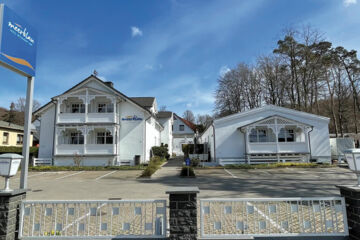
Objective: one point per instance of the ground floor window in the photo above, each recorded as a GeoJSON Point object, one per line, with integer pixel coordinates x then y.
{"type": "Point", "coordinates": [76, 138]}
{"type": "Point", "coordinates": [286, 135]}
{"type": "Point", "coordinates": [104, 138]}
{"type": "Point", "coordinates": [5, 138]}
{"type": "Point", "coordinates": [261, 135]}
{"type": "Point", "coordinates": [19, 139]}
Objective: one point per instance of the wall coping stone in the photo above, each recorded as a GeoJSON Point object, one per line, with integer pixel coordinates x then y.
{"type": "Point", "coordinates": [182, 190]}
{"type": "Point", "coordinates": [353, 188]}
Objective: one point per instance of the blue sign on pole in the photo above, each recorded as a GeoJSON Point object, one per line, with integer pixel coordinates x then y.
{"type": "Point", "coordinates": [187, 161]}
{"type": "Point", "coordinates": [17, 43]}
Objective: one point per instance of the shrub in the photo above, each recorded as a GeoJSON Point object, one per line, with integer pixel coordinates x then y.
{"type": "Point", "coordinates": [83, 168]}
{"type": "Point", "coordinates": [161, 151]}
{"type": "Point", "coordinates": [279, 165]}
{"type": "Point", "coordinates": [195, 162]}
{"type": "Point", "coordinates": [33, 150]}
{"type": "Point", "coordinates": [154, 164]}
{"type": "Point", "coordinates": [173, 155]}
{"type": "Point", "coordinates": [187, 170]}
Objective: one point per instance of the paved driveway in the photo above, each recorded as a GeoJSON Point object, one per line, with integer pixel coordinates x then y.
{"type": "Point", "coordinates": [211, 182]}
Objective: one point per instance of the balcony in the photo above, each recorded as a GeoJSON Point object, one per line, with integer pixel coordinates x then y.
{"type": "Point", "coordinates": [89, 149]}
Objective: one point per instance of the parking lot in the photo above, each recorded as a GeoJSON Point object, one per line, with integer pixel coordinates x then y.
{"type": "Point", "coordinates": [126, 184]}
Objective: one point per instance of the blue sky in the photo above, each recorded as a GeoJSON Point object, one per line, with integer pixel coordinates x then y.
{"type": "Point", "coordinates": [173, 50]}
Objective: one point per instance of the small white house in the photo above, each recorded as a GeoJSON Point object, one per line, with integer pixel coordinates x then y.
{"type": "Point", "coordinates": [98, 123]}
{"type": "Point", "coordinates": [183, 133]}
{"type": "Point", "coordinates": [268, 134]}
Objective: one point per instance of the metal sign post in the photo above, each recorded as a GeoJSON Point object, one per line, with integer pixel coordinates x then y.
{"type": "Point", "coordinates": [27, 132]}
{"type": "Point", "coordinates": [18, 42]}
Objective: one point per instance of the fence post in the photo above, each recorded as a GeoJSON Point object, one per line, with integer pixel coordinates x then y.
{"type": "Point", "coordinates": [352, 200]}
{"type": "Point", "coordinates": [10, 213]}
{"type": "Point", "coordinates": [183, 213]}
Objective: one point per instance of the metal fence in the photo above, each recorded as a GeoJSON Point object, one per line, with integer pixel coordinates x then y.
{"type": "Point", "coordinates": [273, 217]}
{"type": "Point", "coordinates": [93, 219]}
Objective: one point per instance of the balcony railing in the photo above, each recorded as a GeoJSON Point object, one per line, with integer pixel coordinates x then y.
{"type": "Point", "coordinates": [71, 149]}
{"type": "Point", "coordinates": [284, 147]}
{"type": "Point", "coordinates": [90, 117]}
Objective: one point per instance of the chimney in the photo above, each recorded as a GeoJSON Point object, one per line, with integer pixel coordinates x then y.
{"type": "Point", "coordinates": [110, 84]}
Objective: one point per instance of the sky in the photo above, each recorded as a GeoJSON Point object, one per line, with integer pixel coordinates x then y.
{"type": "Point", "coordinates": [173, 50]}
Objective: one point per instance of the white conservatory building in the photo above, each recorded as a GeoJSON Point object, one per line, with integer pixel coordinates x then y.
{"type": "Point", "coordinates": [268, 134]}
{"type": "Point", "coordinates": [99, 124]}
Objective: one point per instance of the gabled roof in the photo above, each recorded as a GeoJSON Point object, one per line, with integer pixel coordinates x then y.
{"type": "Point", "coordinates": [164, 114]}
{"type": "Point", "coordinates": [93, 77]}
{"type": "Point", "coordinates": [12, 126]}
{"type": "Point", "coordinates": [147, 102]}
{"type": "Point", "coordinates": [275, 116]}
{"type": "Point", "coordinates": [273, 108]}
{"type": "Point", "coordinates": [188, 123]}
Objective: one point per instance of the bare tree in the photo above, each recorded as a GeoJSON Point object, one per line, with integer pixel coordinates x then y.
{"type": "Point", "coordinates": [189, 115]}
{"type": "Point", "coordinates": [21, 102]}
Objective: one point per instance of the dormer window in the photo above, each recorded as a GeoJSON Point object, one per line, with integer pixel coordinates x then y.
{"type": "Point", "coordinates": [77, 108]}
{"type": "Point", "coordinates": [105, 108]}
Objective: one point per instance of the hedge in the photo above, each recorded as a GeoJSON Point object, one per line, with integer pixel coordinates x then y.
{"type": "Point", "coordinates": [187, 170]}
{"type": "Point", "coordinates": [83, 168]}
{"type": "Point", "coordinates": [279, 165]}
{"type": "Point", "coordinates": [161, 151]}
{"type": "Point", "coordinates": [154, 165]}
{"type": "Point", "coordinates": [33, 150]}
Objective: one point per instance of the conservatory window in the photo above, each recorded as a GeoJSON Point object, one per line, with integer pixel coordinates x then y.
{"type": "Point", "coordinates": [77, 108]}
{"type": "Point", "coordinates": [286, 135]}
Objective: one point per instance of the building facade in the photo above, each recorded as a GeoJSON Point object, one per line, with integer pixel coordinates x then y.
{"type": "Point", "coordinates": [11, 135]}
{"type": "Point", "coordinates": [183, 133]}
{"type": "Point", "coordinates": [268, 134]}
{"type": "Point", "coordinates": [96, 123]}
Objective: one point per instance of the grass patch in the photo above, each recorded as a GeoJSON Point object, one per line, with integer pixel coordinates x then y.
{"type": "Point", "coordinates": [187, 170]}
{"type": "Point", "coordinates": [279, 165]}
{"type": "Point", "coordinates": [83, 168]}
{"type": "Point", "coordinates": [153, 166]}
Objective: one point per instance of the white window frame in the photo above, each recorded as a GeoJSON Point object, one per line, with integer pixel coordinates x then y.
{"type": "Point", "coordinates": [107, 138]}
{"type": "Point", "coordinates": [76, 138]}
{"type": "Point", "coordinates": [181, 127]}
{"type": "Point", "coordinates": [79, 106]}
{"type": "Point", "coordinates": [5, 136]}
{"type": "Point", "coordinates": [19, 139]}
{"type": "Point", "coordinates": [107, 107]}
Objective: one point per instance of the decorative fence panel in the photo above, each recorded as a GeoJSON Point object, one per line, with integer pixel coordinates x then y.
{"type": "Point", "coordinates": [223, 218]}
{"type": "Point", "coordinates": [93, 219]}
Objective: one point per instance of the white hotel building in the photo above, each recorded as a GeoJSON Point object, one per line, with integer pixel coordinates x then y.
{"type": "Point", "coordinates": [102, 125]}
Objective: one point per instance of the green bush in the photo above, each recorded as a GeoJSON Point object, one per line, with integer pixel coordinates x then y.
{"type": "Point", "coordinates": [33, 150]}
{"type": "Point", "coordinates": [279, 165]}
{"type": "Point", "coordinates": [161, 151]}
{"type": "Point", "coordinates": [153, 166]}
{"type": "Point", "coordinates": [195, 162]}
{"type": "Point", "coordinates": [187, 170]}
{"type": "Point", "coordinates": [83, 168]}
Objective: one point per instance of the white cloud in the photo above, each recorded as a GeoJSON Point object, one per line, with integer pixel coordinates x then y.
{"type": "Point", "coordinates": [135, 31]}
{"type": "Point", "coordinates": [224, 70]}
{"type": "Point", "coordinates": [189, 105]}
{"type": "Point", "coordinates": [347, 3]}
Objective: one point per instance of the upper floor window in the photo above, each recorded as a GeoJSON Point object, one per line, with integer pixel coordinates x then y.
{"type": "Point", "coordinates": [76, 138]}
{"type": "Point", "coordinates": [105, 108]}
{"type": "Point", "coordinates": [77, 108]}
{"type": "Point", "coordinates": [104, 138]}
{"type": "Point", "coordinates": [286, 135]}
{"type": "Point", "coordinates": [181, 127]}
{"type": "Point", "coordinates": [5, 138]}
{"type": "Point", "coordinates": [19, 139]}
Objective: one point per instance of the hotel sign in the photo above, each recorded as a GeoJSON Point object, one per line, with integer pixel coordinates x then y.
{"type": "Point", "coordinates": [17, 43]}
{"type": "Point", "coordinates": [131, 118]}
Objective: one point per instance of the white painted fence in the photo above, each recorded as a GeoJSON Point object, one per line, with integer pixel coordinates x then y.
{"type": "Point", "coordinates": [273, 217]}
{"type": "Point", "coordinates": [93, 219]}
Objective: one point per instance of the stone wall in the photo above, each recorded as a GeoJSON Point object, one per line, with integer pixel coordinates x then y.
{"type": "Point", "coordinates": [9, 213]}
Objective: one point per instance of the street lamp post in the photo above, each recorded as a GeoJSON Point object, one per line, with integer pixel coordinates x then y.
{"type": "Point", "coordinates": [353, 159]}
